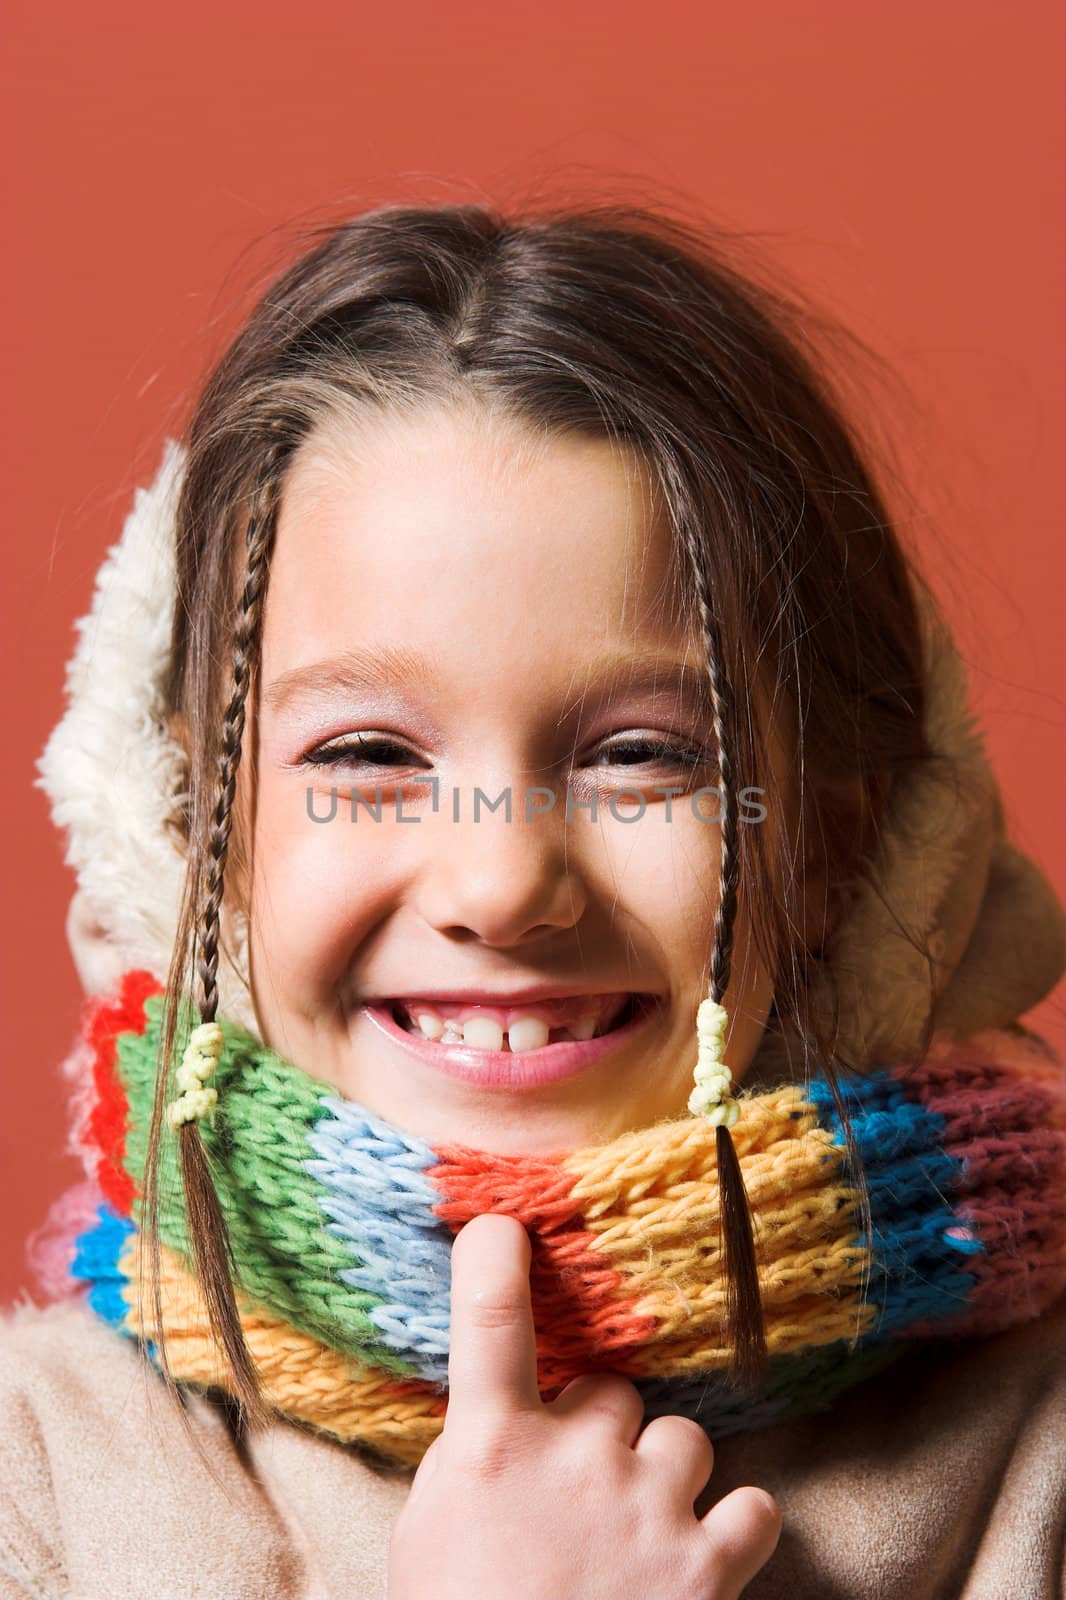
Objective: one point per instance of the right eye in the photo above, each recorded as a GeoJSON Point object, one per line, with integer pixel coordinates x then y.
{"type": "Point", "coordinates": [361, 749]}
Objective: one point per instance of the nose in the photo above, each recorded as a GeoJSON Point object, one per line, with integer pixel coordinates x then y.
{"type": "Point", "coordinates": [505, 883]}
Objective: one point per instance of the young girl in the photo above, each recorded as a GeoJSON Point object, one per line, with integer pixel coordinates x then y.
{"type": "Point", "coordinates": [555, 1114]}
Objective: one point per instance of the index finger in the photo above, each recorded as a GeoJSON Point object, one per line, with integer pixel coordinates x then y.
{"type": "Point", "coordinates": [492, 1353]}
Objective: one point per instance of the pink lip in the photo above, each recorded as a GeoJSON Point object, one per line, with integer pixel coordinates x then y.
{"type": "Point", "coordinates": [506, 1069]}
{"type": "Point", "coordinates": [489, 997]}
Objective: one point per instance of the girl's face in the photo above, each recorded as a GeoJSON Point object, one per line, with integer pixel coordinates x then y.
{"type": "Point", "coordinates": [454, 597]}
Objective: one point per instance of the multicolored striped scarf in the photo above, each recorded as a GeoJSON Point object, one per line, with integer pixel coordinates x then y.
{"type": "Point", "coordinates": [342, 1224]}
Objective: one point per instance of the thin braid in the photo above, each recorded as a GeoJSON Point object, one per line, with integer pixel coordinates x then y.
{"type": "Point", "coordinates": [212, 1247]}
{"type": "Point", "coordinates": [721, 710]}
{"type": "Point", "coordinates": [744, 1310]}
{"type": "Point", "coordinates": [245, 644]}
{"type": "Point", "coordinates": [729, 865]}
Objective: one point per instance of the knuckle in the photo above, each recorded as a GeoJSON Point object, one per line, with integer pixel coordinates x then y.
{"type": "Point", "coordinates": [496, 1305]}
{"type": "Point", "coordinates": [756, 1510]}
{"type": "Point", "coordinates": [697, 1439]}
{"type": "Point", "coordinates": [577, 1388]}
{"type": "Point", "coordinates": [767, 1506]}
{"type": "Point", "coordinates": [745, 1526]}
{"type": "Point", "coordinates": [610, 1393]}
{"type": "Point", "coordinates": [616, 1383]}
{"type": "Point", "coordinates": [682, 1433]}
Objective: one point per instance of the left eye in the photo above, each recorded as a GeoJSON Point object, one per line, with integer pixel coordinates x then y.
{"type": "Point", "coordinates": [646, 751]}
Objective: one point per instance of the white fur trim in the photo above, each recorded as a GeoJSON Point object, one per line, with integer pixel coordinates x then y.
{"type": "Point", "coordinates": [110, 769]}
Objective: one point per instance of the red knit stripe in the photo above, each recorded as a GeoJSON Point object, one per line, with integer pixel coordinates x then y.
{"type": "Point", "coordinates": [412, 1389]}
{"type": "Point", "coordinates": [105, 1016]}
{"type": "Point", "coordinates": [1004, 1105]}
{"type": "Point", "coordinates": [584, 1316]}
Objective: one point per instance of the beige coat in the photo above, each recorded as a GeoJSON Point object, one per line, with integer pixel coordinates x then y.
{"type": "Point", "coordinates": [945, 1477]}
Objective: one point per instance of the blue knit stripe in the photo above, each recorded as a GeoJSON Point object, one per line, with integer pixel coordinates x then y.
{"type": "Point", "coordinates": [96, 1261]}
{"type": "Point", "coordinates": [916, 1270]}
{"type": "Point", "coordinates": [380, 1200]}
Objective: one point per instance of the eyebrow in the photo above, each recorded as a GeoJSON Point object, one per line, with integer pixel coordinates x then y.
{"type": "Point", "coordinates": [355, 669]}
{"type": "Point", "coordinates": [392, 667]}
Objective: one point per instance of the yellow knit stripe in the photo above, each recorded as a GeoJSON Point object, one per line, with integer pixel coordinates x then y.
{"type": "Point", "coordinates": [300, 1376]}
{"type": "Point", "coordinates": [652, 1206]}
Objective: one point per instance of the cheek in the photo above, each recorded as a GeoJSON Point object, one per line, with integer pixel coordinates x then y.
{"type": "Point", "coordinates": [319, 889]}
{"type": "Point", "coordinates": [666, 873]}
{"type": "Point", "coordinates": [668, 877]}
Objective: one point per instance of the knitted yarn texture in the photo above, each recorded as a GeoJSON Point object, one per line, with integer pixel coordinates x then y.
{"type": "Point", "coordinates": [342, 1225]}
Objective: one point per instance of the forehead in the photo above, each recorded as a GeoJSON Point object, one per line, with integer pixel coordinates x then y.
{"type": "Point", "coordinates": [468, 536]}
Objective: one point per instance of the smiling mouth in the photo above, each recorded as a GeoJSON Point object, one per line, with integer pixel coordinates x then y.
{"type": "Point", "coordinates": [518, 1030]}
{"type": "Point", "coordinates": [513, 1049]}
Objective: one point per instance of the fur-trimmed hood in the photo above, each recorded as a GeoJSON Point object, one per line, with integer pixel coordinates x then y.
{"type": "Point", "coordinates": [945, 875]}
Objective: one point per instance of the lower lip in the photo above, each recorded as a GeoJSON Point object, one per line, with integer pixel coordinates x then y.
{"type": "Point", "coordinates": [506, 1069]}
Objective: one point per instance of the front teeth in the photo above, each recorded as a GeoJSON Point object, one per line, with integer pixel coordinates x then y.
{"type": "Point", "coordinates": [481, 1032]}
{"type": "Point", "coordinates": [526, 1033]}
{"type": "Point", "coordinates": [484, 1033]}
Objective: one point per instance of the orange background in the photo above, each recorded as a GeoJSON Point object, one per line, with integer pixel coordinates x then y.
{"type": "Point", "coordinates": [903, 161]}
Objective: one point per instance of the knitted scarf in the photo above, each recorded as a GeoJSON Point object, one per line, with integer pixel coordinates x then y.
{"type": "Point", "coordinates": [341, 1226]}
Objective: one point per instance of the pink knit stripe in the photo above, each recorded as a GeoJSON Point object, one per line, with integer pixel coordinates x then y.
{"type": "Point", "coordinates": [1003, 1100]}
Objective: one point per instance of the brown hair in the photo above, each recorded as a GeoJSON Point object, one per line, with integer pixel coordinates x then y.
{"type": "Point", "coordinates": [614, 321]}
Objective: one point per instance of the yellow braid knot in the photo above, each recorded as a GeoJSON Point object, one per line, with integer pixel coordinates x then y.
{"type": "Point", "coordinates": [712, 1077]}
{"type": "Point", "coordinates": [198, 1063]}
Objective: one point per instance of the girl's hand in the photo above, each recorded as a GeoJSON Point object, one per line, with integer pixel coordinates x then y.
{"type": "Point", "coordinates": [521, 1500]}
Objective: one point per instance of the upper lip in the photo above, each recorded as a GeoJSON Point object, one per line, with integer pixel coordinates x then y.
{"type": "Point", "coordinates": [499, 997]}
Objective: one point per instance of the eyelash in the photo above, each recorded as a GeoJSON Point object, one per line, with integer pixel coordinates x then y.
{"type": "Point", "coordinates": [335, 755]}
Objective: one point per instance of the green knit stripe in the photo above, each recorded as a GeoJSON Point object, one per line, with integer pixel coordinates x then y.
{"type": "Point", "coordinates": [256, 1142]}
